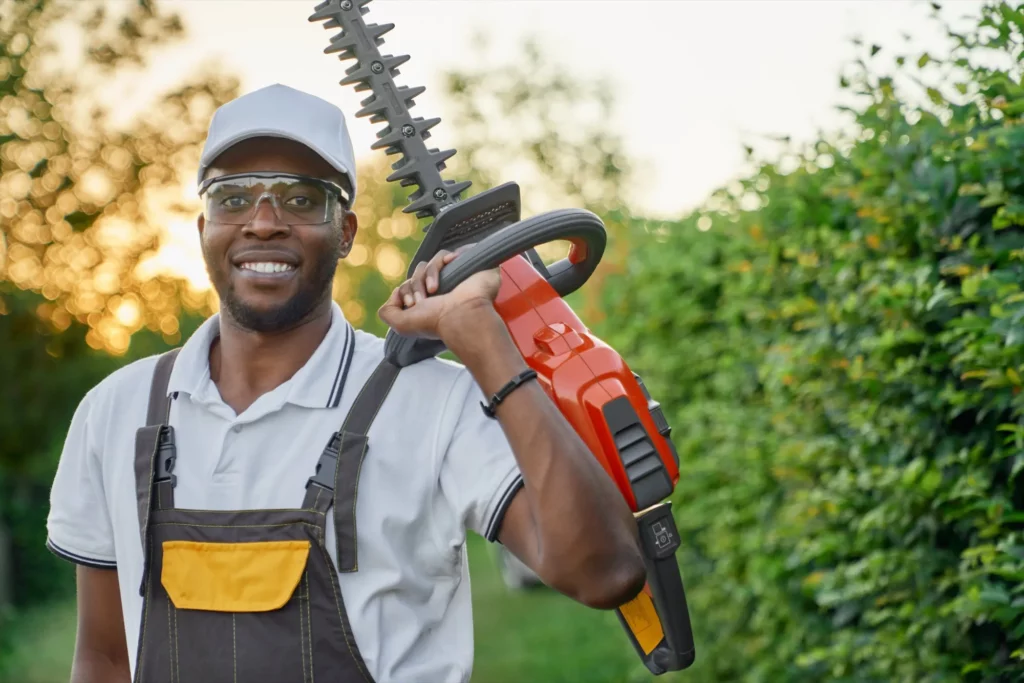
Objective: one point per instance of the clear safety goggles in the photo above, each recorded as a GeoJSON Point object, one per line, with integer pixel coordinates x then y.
{"type": "Point", "coordinates": [296, 199]}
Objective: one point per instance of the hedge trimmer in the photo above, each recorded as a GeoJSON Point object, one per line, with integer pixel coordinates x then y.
{"type": "Point", "coordinates": [589, 382]}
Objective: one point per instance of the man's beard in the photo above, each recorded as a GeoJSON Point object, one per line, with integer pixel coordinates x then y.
{"type": "Point", "coordinates": [293, 311]}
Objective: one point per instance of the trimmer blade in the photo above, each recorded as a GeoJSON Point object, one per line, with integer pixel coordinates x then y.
{"type": "Point", "coordinates": [418, 165]}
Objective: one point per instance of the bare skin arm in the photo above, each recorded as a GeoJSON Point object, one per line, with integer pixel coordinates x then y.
{"type": "Point", "coordinates": [101, 653]}
{"type": "Point", "coordinates": [568, 523]}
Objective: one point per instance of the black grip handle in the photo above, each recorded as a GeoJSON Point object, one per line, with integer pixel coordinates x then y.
{"type": "Point", "coordinates": [659, 540]}
{"type": "Point", "coordinates": [582, 228]}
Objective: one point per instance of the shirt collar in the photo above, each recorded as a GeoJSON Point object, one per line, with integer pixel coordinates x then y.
{"type": "Point", "coordinates": [317, 384]}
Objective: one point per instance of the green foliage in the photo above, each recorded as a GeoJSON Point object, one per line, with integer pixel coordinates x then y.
{"type": "Point", "coordinates": [75, 232]}
{"type": "Point", "coordinates": [839, 339]}
{"type": "Point", "coordinates": [83, 202]}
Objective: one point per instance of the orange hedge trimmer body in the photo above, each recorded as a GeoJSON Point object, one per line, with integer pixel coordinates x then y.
{"type": "Point", "coordinates": [583, 376]}
{"type": "Point", "coordinates": [604, 401]}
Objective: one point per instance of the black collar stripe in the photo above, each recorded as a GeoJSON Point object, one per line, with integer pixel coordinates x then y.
{"type": "Point", "coordinates": [342, 373]}
{"type": "Point", "coordinates": [346, 363]}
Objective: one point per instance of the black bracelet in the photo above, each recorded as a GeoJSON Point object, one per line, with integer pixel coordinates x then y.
{"type": "Point", "coordinates": [500, 395]}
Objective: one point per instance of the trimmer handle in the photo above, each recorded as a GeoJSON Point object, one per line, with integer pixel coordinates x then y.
{"type": "Point", "coordinates": [658, 619]}
{"type": "Point", "coordinates": [582, 228]}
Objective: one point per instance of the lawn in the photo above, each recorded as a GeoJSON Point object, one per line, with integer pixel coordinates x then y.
{"type": "Point", "coordinates": [533, 636]}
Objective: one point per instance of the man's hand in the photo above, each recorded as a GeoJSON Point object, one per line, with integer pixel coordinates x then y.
{"type": "Point", "coordinates": [414, 310]}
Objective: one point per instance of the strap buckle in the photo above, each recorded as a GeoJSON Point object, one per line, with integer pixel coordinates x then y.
{"type": "Point", "coordinates": [327, 465]}
{"type": "Point", "coordinates": [166, 455]}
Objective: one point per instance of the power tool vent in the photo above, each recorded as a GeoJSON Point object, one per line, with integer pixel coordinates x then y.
{"type": "Point", "coordinates": [658, 417]}
{"type": "Point", "coordinates": [646, 473]}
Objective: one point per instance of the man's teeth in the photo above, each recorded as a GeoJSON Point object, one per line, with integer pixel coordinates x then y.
{"type": "Point", "coordinates": [264, 267]}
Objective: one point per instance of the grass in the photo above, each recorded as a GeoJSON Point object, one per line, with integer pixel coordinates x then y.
{"type": "Point", "coordinates": [520, 636]}
{"type": "Point", "coordinates": [42, 646]}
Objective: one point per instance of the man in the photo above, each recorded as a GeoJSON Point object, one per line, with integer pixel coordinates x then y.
{"type": "Point", "coordinates": [311, 526]}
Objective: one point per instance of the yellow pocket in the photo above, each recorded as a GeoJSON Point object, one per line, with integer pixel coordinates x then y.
{"type": "Point", "coordinates": [232, 577]}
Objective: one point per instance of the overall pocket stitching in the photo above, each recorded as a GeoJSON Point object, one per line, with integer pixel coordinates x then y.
{"type": "Point", "coordinates": [177, 662]}
{"type": "Point", "coordinates": [302, 630]}
{"type": "Point", "coordinates": [234, 647]}
{"type": "Point", "coordinates": [145, 623]}
{"type": "Point", "coordinates": [170, 646]}
{"type": "Point", "coordinates": [341, 619]}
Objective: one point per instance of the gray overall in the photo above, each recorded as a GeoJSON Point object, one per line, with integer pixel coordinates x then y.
{"type": "Point", "coordinates": [249, 596]}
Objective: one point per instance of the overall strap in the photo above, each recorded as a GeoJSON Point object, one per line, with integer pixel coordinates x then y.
{"type": "Point", "coordinates": [154, 447]}
{"type": "Point", "coordinates": [337, 472]}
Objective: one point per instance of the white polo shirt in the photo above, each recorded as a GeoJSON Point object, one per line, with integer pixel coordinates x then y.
{"type": "Point", "coordinates": [436, 467]}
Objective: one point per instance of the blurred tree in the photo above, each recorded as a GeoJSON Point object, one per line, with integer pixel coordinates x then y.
{"type": "Point", "coordinates": [82, 201]}
{"type": "Point", "coordinates": [80, 208]}
{"type": "Point", "coordinates": [532, 121]}
{"type": "Point", "coordinates": [384, 245]}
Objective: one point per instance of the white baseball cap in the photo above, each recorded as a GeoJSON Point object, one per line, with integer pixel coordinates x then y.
{"type": "Point", "coordinates": [282, 112]}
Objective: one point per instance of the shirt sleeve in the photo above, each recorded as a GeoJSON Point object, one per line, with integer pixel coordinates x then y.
{"type": "Point", "coordinates": [78, 526]}
{"type": "Point", "coordinates": [479, 475]}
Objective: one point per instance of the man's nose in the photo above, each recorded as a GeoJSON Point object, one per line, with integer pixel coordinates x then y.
{"type": "Point", "coordinates": [265, 223]}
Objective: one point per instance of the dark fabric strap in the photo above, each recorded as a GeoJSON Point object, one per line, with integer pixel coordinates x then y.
{"type": "Point", "coordinates": [371, 397]}
{"type": "Point", "coordinates": [159, 402]}
{"type": "Point", "coordinates": [147, 441]}
{"type": "Point", "coordinates": [337, 474]}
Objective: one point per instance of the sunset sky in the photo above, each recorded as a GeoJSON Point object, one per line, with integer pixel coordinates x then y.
{"type": "Point", "coordinates": [695, 79]}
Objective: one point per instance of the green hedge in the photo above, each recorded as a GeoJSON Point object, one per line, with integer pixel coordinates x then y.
{"type": "Point", "coordinates": [839, 340]}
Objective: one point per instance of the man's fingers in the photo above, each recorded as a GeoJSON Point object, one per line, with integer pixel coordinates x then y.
{"type": "Point", "coordinates": [395, 299]}
{"type": "Point", "coordinates": [408, 288]}
{"type": "Point", "coordinates": [409, 321]}
{"type": "Point", "coordinates": [404, 295]}
{"type": "Point", "coordinates": [416, 285]}
{"type": "Point", "coordinates": [425, 277]}
{"type": "Point", "coordinates": [434, 269]}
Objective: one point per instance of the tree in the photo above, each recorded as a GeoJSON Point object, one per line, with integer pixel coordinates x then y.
{"type": "Point", "coordinates": [534, 122]}
{"type": "Point", "coordinates": [79, 201]}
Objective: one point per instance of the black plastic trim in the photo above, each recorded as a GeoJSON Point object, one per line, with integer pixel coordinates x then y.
{"type": "Point", "coordinates": [494, 528]}
{"type": "Point", "coordinates": [78, 559]}
{"type": "Point", "coordinates": [644, 468]}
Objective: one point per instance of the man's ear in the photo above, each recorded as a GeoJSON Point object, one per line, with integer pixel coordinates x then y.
{"type": "Point", "coordinates": [200, 223]}
{"type": "Point", "coordinates": [349, 226]}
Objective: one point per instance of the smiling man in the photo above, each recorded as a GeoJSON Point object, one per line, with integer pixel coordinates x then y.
{"type": "Point", "coordinates": [273, 501]}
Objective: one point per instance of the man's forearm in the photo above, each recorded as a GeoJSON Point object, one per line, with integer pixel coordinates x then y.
{"type": "Point", "coordinates": [101, 654]}
{"type": "Point", "coordinates": [586, 534]}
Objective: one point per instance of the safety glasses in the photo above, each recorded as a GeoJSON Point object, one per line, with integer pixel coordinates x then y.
{"type": "Point", "coordinates": [296, 199]}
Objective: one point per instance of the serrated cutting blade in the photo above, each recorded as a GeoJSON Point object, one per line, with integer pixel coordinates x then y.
{"type": "Point", "coordinates": [417, 166]}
